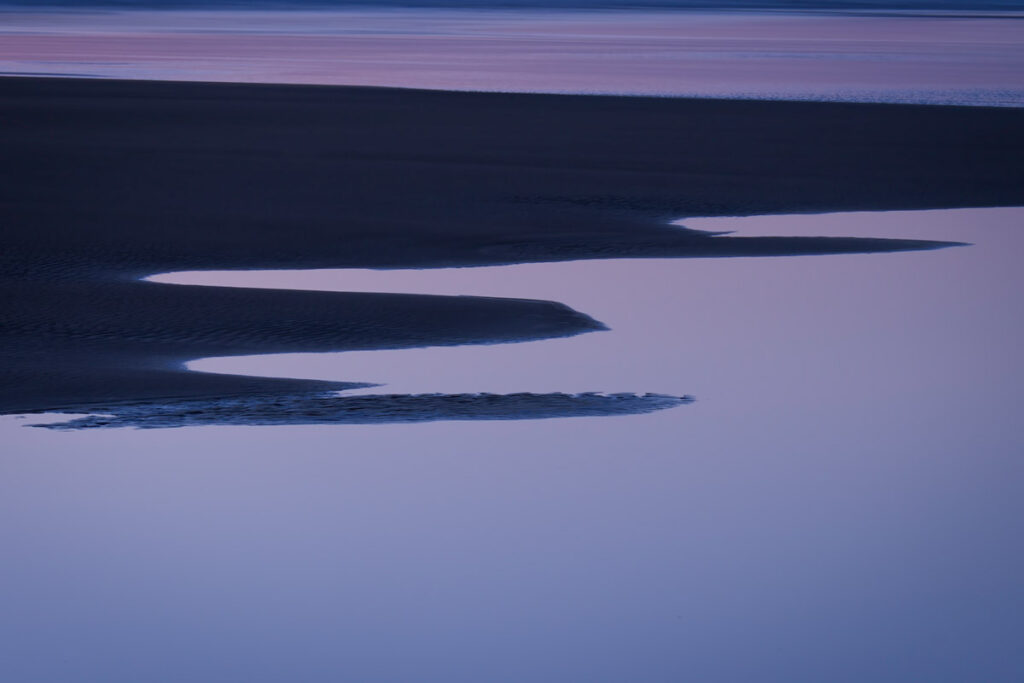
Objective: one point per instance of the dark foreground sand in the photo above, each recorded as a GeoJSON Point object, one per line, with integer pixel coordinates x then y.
{"type": "Point", "coordinates": [107, 181]}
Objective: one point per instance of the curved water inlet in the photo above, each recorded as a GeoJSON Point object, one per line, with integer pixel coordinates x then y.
{"type": "Point", "coordinates": [490, 381]}
{"type": "Point", "coordinates": [643, 358]}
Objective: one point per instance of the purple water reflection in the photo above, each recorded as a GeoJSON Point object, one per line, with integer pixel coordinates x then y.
{"type": "Point", "coordinates": [842, 503]}
{"type": "Point", "coordinates": [948, 59]}
{"type": "Point", "coordinates": [660, 310]}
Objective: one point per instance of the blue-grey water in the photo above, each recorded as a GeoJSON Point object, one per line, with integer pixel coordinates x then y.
{"type": "Point", "coordinates": [863, 5]}
{"type": "Point", "coordinates": [842, 501]}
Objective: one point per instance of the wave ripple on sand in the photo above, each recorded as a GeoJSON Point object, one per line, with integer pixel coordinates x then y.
{"type": "Point", "coordinates": [309, 409]}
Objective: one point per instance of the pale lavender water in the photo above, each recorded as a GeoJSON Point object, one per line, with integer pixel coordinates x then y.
{"type": "Point", "coordinates": [953, 58]}
{"type": "Point", "coordinates": [841, 503]}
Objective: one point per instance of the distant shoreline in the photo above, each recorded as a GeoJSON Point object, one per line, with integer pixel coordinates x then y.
{"type": "Point", "coordinates": [727, 5]}
{"type": "Point", "coordinates": [898, 56]}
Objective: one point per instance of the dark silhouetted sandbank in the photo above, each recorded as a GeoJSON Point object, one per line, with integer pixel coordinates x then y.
{"type": "Point", "coordinates": [107, 181]}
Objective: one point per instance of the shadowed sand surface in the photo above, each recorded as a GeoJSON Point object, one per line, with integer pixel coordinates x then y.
{"type": "Point", "coordinates": [281, 409]}
{"type": "Point", "coordinates": [106, 181]}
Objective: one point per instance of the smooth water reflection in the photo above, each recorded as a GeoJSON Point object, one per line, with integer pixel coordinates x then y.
{"type": "Point", "coordinates": [661, 311]}
{"type": "Point", "coordinates": [951, 58]}
{"type": "Point", "coordinates": [842, 502]}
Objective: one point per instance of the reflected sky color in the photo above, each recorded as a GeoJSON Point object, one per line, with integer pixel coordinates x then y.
{"type": "Point", "coordinates": [657, 308]}
{"type": "Point", "coordinates": [948, 59]}
{"type": "Point", "coordinates": [842, 502]}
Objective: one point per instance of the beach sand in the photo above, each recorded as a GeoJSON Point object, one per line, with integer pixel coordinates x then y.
{"type": "Point", "coordinates": [104, 182]}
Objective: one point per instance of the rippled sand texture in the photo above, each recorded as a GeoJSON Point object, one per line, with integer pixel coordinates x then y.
{"type": "Point", "coordinates": [953, 59]}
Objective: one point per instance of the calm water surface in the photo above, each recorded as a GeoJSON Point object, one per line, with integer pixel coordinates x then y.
{"type": "Point", "coordinates": [841, 503]}
{"type": "Point", "coordinates": [950, 58]}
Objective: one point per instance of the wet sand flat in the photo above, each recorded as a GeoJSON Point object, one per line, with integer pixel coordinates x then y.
{"type": "Point", "coordinates": [108, 181]}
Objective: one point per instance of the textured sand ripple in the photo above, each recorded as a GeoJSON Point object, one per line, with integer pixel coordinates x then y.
{"type": "Point", "coordinates": [307, 409]}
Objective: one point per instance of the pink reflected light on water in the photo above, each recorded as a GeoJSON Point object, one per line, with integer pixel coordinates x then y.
{"type": "Point", "coordinates": [949, 59]}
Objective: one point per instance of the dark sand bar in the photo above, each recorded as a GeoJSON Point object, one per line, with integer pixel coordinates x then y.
{"type": "Point", "coordinates": [104, 182]}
